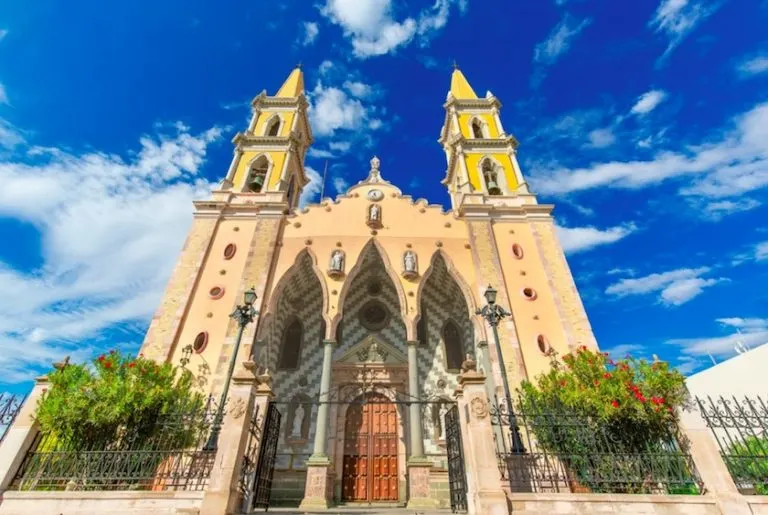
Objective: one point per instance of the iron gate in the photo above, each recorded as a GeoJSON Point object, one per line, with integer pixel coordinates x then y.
{"type": "Point", "coordinates": [457, 478]}
{"type": "Point", "coordinates": [258, 478]}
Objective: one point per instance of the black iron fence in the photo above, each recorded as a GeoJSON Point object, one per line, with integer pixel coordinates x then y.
{"type": "Point", "coordinates": [173, 457]}
{"type": "Point", "coordinates": [564, 451]}
{"type": "Point", "coordinates": [740, 427]}
{"type": "Point", "coordinates": [10, 405]}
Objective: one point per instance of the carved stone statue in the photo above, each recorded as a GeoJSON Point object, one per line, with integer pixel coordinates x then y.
{"type": "Point", "coordinates": [409, 261]}
{"type": "Point", "coordinates": [337, 262]}
{"type": "Point", "coordinates": [375, 212]}
{"type": "Point", "coordinates": [298, 421]}
{"type": "Point", "coordinates": [441, 420]}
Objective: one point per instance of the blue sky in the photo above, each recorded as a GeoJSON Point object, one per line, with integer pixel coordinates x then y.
{"type": "Point", "coordinates": [646, 123]}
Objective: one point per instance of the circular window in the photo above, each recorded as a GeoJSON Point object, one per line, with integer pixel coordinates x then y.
{"type": "Point", "coordinates": [229, 251]}
{"type": "Point", "coordinates": [529, 293]}
{"type": "Point", "coordinates": [374, 287]}
{"type": "Point", "coordinates": [216, 292]}
{"type": "Point", "coordinates": [517, 251]}
{"type": "Point", "coordinates": [543, 344]}
{"type": "Point", "coordinates": [374, 316]}
{"type": "Point", "coordinates": [201, 340]}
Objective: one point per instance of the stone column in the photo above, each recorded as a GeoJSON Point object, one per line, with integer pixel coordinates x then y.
{"type": "Point", "coordinates": [20, 435]}
{"type": "Point", "coordinates": [418, 465]}
{"type": "Point", "coordinates": [222, 497]}
{"type": "Point", "coordinates": [485, 495]}
{"type": "Point", "coordinates": [484, 360]}
{"type": "Point", "coordinates": [714, 473]}
{"type": "Point", "coordinates": [318, 491]}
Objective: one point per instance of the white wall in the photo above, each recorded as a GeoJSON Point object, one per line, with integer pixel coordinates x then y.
{"type": "Point", "coordinates": [743, 375]}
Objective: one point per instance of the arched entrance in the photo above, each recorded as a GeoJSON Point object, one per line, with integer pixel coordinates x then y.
{"type": "Point", "coordinates": [370, 450]}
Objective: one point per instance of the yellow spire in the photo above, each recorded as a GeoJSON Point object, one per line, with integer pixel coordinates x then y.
{"type": "Point", "coordinates": [460, 88]}
{"type": "Point", "coordinates": [293, 85]}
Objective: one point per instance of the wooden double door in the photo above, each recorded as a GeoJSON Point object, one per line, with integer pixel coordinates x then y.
{"type": "Point", "coordinates": [370, 451]}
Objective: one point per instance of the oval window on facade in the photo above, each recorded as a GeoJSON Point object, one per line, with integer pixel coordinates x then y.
{"type": "Point", "coordinates": [216, 292]}
{"type": "Point", "coordinates": [229, 251]}
{"type": "Point", "coordinates": [543, 344]}
{"type": "Point", "coordinates": [529, 293]}
{"type": "Point", "coordinates": [201, 341]}
{"type": "Point", "coordinates": [517, 251]}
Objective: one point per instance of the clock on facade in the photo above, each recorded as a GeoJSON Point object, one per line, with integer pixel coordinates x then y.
{"type": "Point", "coordinates": [375, 195]}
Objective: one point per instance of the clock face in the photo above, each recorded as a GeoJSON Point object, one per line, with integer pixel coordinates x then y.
{"type": "Point", "coordinates": [375, 195]}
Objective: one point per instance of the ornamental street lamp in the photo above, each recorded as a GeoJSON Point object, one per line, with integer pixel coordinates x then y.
{"type": "Point", "coordinates": [493, 314]}
{"type": "Point", "coordinates": [243, 315]}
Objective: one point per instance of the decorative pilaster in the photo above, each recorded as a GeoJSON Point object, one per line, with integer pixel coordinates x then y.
{"type": "Point", "coordinates": [484, 491]}
{"type": "Point", "coordinates": [318, 492]}
{"type": "Point", "coordinates": [418, 465]}
{"type": "Point", "coordinates": [222, 495]}
{"type": "Point", "coordinates": [490, 386]}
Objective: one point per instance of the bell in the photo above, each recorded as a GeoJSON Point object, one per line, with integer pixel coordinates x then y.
{"type": "Point", "coordinates": [256, 182]}
{"type": "Point", "coordinates": [493, 188]}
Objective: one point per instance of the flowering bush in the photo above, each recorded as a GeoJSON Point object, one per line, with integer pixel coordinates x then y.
{"type": "Point", "coordinates": [588, 407]}
{"type": "Point", "coordinates": [118, 401]}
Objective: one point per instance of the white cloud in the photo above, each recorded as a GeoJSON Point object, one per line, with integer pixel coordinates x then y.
{"type": "Point", "coordinates": [753, 66]}
{"type": "Point", "coordinates": [359, 89]}
{"type": "Point", "coordinates": [311, 30]}
{"type": "Point", "coordinates": [332, 109]}
{"type": "Point", "coordinates": [677, 18]}
{"type": "Point", "coordinates": [581, 239]}
{"type": "Point", "coordinates": [3, 95]}
{"type": "Point", "coordinates": [761, 251]}
{"type": "Point", "coordinates": [735, 164]}
{"type": "Point", "coordinates": [10, 136]}
{"type": "Point", "coordinates": [718, 209]}
{"type": "Point", "coordinates": [559, 40]}
{"type": "Point", "coordinates": [621, 351]}
{"type": "Point", "coordinates": [111, 229]}
{"type": "Point", "coordinates": [3, 33]}
{"type": "Point", "coordinates": [648, 102]}
{"type": "Point", "coordinates": [320, 153]}
{"type": "Point", "coordinates": [311, 191]}
{"type": "Point", "coordinates": [371, 27]}
{"type": "Point", "coordinates": [340, 146]}
{"type": "Point", "coordinates": [752, 332]}
{"type": "Point", "coordinates": [601, 138]}
{"type": "Point", "coordinates": [340, 184]}
{"type": "Point", "coordinates": [675, 287]}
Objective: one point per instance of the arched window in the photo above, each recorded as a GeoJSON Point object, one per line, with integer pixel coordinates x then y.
{"type": "Point", "coordinates": [491, 177]}
{"type": "Point", "coordinates": [291, 345]}
{"type": "Point", "coordinates": [477, 129]}
{"type": "Point", "coordinates": [273, 126]}
{"type": "Point", "coordinates": [258, 174]}
{"type": "Point", "coordinates": [454, 352]}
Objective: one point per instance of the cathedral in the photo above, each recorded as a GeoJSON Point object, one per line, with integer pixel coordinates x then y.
{"type": "Point", "coordinates": [368, 304]}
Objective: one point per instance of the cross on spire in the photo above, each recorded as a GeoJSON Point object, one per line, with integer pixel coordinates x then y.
{"type": "Point", "coordinates": [299, 65]}
{"type": "Point", "coordinates": [455, 65]}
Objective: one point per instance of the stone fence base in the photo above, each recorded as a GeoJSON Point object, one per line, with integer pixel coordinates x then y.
{"type": "Point", "coordinates": [590, 504]}
{"type": "Point", "coordinates": [107, 503]}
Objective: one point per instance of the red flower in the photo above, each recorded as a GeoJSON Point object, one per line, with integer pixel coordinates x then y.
{"type": "Point", "coordinates": [615, 403]}
{"type": "Point", "coordinates": [563, 383]}
{"type": "Point", "coordinates": [639, 396]}
{"type": "Point", "coordinates": [597, 382]}
{"type": "Point", "coordinates": [101, 358]}
{"type": "Point", "coordinates": [607, 375]}
{"type": "Point", "coordinates": [107, 365]}
{"type": "Point", "coordinates": [131, 364]}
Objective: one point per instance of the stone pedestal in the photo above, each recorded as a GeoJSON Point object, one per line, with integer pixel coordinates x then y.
{"type": "Point", "coordinates": [318, 493]}
{"type": "Point", "coordinates": [485, 495]}
{"type": "Point", "coordinates": [419, 492]}
{"type": "Point", "coordinates": [222, 497]}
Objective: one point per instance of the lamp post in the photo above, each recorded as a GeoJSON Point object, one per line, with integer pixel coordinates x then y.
{"type": "Point", "coordinates": [493, 314]}
{"type": "Point", "coordinates": [243, 315]}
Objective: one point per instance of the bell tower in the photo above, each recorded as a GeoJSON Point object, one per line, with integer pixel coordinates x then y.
{"type": "Point", "coordinates": [269, 155]}
{"type": "Point", "coordinates": [482, 161]}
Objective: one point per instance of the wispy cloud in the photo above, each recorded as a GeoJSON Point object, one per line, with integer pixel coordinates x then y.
{"type": "Point", "coordinates": [582, 239]}
{"type": "Point", "coordinates": [135, 212]}
{"type": "Point", "coordinates": [310, 32]}
{"type": "Point", "coordinates": [746, 332]}
{"type": "Point", "coordinates": [372, 29]}
{"type": "Point", "coordinates": [311, 192]}
{"type": "Point", "coordinates": [3, 94]}
{"type": "Point", "coordinates": [648, 102]}
{"type": "Point", "coordinates": [557, 43]}
{"type": "Point", "coordinates": [3, 33]}
{"type": "Point", "coordinates": [753, 66]}
{"type": "Point", "coordinates": [674, 288]}
{"type": "Point", "coordinates": [677, 18]}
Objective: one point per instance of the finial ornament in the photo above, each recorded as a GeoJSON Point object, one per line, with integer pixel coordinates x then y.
{"type": "Point", "coordinates": [455, 65]}
{"type": "Point", "coordinates": [299, 65]}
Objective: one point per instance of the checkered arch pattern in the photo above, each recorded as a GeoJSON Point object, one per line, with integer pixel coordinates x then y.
{"type": "Point", "coordinates": [441, 300]}
{"type": "Point", "coordinates": [372, 269]}
{"type": "Point", "coordinates": [301, 297]}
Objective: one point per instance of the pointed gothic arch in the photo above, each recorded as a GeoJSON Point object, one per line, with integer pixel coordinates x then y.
{"type": "Point", "coordinates": [372, 246]}
{"type": "Point", "coordinates": [492, 176]}
{"type": "Point", "coordinates": [259, 169]}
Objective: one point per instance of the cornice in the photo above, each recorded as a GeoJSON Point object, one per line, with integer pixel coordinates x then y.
{"type": "Point", "coordinates": [472, 103]}
{"type": "Point", "coordinates": [506, 213]}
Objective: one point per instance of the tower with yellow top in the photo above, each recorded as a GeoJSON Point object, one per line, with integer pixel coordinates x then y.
{"type": "Point", "coordinates": [369, 299]}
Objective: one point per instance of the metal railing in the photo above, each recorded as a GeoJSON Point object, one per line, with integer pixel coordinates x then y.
{"type": "Point", "coordinates": [740, 427]}
{"type": "Point", "coordinates": [10, 405]}
{"type": "Point", "coordinates": [172, 457]}
{"type": "Point", "coordinates": [564, 451]}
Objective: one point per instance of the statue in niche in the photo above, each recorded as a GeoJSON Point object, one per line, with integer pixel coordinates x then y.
{"type": "Point", "coordinates": [441, 420]}
{"type": "Point", "coordinates": [410, 264]}
{"type": "Point", "coordinates": [374, 215]}
{"type": "Point", "coordinates": [298, 422]}
{"type": "Point", "coordinates": [336, 266]}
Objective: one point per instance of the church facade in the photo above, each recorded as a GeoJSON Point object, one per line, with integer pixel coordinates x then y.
{"type": "Point", "coordinates": [368, 302]}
